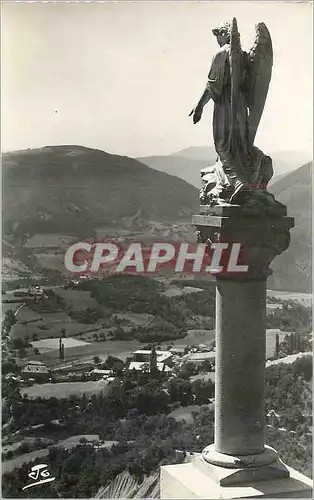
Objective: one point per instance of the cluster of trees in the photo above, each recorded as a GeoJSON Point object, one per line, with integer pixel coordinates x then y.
{"type": "Point", "coordinates": [147, 394]}
{"type": "Point", "coordinates": [291, 317]}
{"type": "Point", "coordinates": [27, 447]}
{"type": "Point", "coordinates": [10, 365]}
{"type": "Point", "coordinates": [155, 440]}
{"type": "Point", "coordinates": [294, 343]}
{"type": "Point", "coordinates": [88, 316]}
{"type": "Point", "coordinates": [8, 321]}
{"type": "Point", "coordinates": [147, 437]}
{"type": "Point", "coordinates": [288, 394]}
{"type": "Point", "coordinates": [140, 294]}
{"type": "Point", "coordinates": [293, 451]}
{"type": "Point", "coordinates": [53, 303]}
{"type": "Point", "coordinates": [136, 412]}
{"type": "Point", "coordinates": [20, 345]}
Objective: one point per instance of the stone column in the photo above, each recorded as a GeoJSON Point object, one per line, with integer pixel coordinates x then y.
{"type": "Point", "coordinates": [239, 464]}
{"type": "Point", "coordinates": [241, 331]}
{"type": "Point", "coordinates": [240, 361]}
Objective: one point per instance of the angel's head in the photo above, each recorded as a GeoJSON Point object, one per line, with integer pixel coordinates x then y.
{"type": "Point", "coordinates": [222, 33]}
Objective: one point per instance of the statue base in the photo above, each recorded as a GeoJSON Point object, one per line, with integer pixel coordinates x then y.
{"type": "Point", "coordinates": [199, 479]}
{"type": "Point", "coordinates": [229, 470]}
{"type": "Point", "coordinates": [226, 209]}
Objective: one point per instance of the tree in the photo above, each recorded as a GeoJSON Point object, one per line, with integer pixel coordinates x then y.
{"type": "Point", "coordinates": [202, 391]}
{"type": "Point", "coordinates": [96, 360]}
{"type": "Point", "coordinates": [180, 390]}
{"type": "Point", "coordinates": [9, 366]}
{"type": "Point", "coordinates": [277, 346]}
{"type": "Point", "coordinates": [22, 352]}
{"type": "Point", "coordinates": [18, 343]}
{"type": "Point", "coordinates": [63, 333]}
{"type": "Point", "coordinates": [303, 366]}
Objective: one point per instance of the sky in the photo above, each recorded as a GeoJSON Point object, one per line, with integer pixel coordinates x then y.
{"type": "Point", "coordinates": [124, 76]}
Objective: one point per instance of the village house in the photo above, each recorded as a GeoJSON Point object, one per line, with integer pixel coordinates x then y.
{"type": "Point", "coordinates": [35, 370]}
{"type": "Point", "coordinates": [142, 360]}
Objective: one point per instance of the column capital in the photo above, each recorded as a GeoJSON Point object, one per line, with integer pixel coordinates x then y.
{"type": "Point", "coordinates": [262, 238]}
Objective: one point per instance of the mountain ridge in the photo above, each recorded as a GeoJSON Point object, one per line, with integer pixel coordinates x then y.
{"type": "Point", "coordinates": [59, 182]}
{"type": "Point", "coordinates": [82, 192]}
{"type": "Point", "coordinates": [187, 163]}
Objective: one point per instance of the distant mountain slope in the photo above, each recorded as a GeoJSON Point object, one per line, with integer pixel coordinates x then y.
{"type": "Point", "coordinates": [183, 168]}
{"type": "Point", "coordinates": [198, 153]}
{"type": "Point", "coordinates": [74, 189]}
{"type": "Point", "coordinates": [188, 162]}
{"type": "Point", "coordinates": [293, 268]}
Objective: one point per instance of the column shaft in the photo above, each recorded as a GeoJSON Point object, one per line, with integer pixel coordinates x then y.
{"type": "Point", "coordinates": [240, 366]}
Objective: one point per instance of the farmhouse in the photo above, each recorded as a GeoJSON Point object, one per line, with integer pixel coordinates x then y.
{"type": "Point", "coordinates": [142, 360]}
{"type": "Point", "coordinates": [177, 350]}
{"type": "Point", "coordinates": [200, 357]}
{"type": "Point", "coordinates": [35, 370]}
{"type": "Point", "coordinates": [141, 366]}
{"type": "Point", "coordinates": [143, 355]}
{"type": "Point", "coordinates": [98, 374]}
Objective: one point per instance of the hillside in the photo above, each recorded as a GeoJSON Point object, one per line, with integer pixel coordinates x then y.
{"type": "Point", "coordinates": [293, 269]}
{"type": "Point", "coordinates": [183, 168]}
{"type": "Point", "coordinates": [73, 190]}
{"type": "Point", "coordinates": [185, 164]}
{"type": "Point", "coordinates": [188, 162]}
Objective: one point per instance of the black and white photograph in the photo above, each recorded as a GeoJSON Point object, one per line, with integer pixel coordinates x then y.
{"type": "Point", "coordinates": [156, 266]}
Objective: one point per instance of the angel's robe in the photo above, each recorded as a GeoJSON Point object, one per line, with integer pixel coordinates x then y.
{"type": "Point", "coordinates": [219, 87]}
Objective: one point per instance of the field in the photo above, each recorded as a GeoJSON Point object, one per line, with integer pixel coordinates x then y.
{"type": "Point", "coordinates": [64, 389]}
{"type": "Point", "coordinates": [53, 343]}
{"type": "Point", "coordinates": [76, 299]}
{"type": "Point", "coordinates": [49, 326]}
{"type": "Point", "coordinates": [51, 260]}
{"type": "Point", "coordinates": [195, 337]}
{"type": "Point", "coordinates": [304, 298]}
{"type": "Point", "coordinates": [119, 348]}
{"type": "Point", "coordinates": [9, 465]}
{"type": "Point", "coordinates": [68, 443]}
{"type": "Point", "coordinates": [176, 291]}
{"type": "Point", "coordinates": [49, 240]}
{"type": "Point", "coordinates": [138, 319]}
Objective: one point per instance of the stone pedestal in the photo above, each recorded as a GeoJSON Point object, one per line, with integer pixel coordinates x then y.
{"type": "Point", "coordinates": [239, 464]}
{"type": "Point", "coordinates": [201, 480]}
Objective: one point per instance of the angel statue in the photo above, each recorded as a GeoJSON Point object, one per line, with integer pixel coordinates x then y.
{"type": "Point", "coordinates": [238, 84]}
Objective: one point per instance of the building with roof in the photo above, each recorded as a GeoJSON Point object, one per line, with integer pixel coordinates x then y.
{"type": "Point", "coordinates": [142, 366]}
{"type": "Point", "coordinates": [200, 357]}
{"type": "Point", "coordinates": [98, 374]}
{"type": "Point", "coordinates": [178, 350]}
{"type": "Point", "coordinates": [149, 360]}
{"type": "Point", "coordinates": [38, 372]}
{"type": "Point", "coordinates": [144, 355]}
{"type": "Point", "coordinates": [36, 363]}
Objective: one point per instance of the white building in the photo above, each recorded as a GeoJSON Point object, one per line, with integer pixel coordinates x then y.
{"type": "Point", "coordinates": [141, 360]}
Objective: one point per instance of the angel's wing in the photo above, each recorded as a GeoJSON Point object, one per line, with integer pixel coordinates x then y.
{"type": "Point", "coordinates": [260, 62]}
{"type": "Point", "coordinates": [237, 65]}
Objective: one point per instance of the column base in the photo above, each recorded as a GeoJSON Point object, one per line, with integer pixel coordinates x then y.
{"type": "Point", "coordinates": [199, 479]}
{"type": "Point", "coordinates": [214, 457]}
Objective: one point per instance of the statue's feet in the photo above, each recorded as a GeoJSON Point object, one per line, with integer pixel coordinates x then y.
{"type": "Point", "coordinates": [240, 194]}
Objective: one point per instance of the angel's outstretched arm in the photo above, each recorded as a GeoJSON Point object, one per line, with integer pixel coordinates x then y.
{"type": "Point", "coordinates": [214, 84]}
